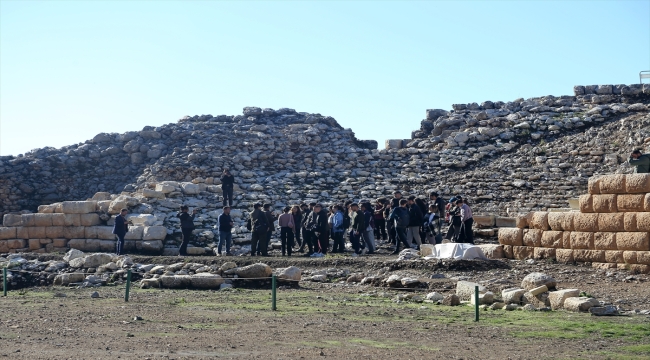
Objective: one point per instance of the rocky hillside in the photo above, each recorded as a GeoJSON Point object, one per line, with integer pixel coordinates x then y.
{"type": "Point", "coordinates": [508, 157]}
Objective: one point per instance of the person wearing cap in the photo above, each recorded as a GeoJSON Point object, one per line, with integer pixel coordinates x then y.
{"type": "Point", "coordinates": [357, 226]}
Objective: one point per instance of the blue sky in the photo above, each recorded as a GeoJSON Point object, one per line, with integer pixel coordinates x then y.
{"type": "Point", "coordinates": [72, 69]}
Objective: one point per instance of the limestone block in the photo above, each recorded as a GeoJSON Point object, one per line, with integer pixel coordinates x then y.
{"type": "Point", "coordinates": [585, 222]}
{"type": "Point", "coordinates": [611, 222]}
{"type": "Point", "coordinates": [605, 241]}
{"type": "Point", "coordinates": [175, 281]}
{"type": "Point", "coordinates": [594, 185]}
{"type": "Point", "coordinates": [196, 250]}
{"type": "Point", "coordinates": [540, 253]}
{"type": "Point", "coordinates": [42, 219]}
{"type": "Point", "coordinates": [135, 233]}
{"type": "Point", "coordinates": [74, 232]}
{"type": "Point", "coordinates": [107, 245]}
{"type": "Point", "coordinates": [28, 220]}
{"type": "Point", "coordinates": [484, 221]}
{"type": "Point", "coordinates": [90, 219]}
{"type": "Point", "coordinates": [522, 252]}
{"type": "Point", "coordinates": [639, 269]}
{"type": "Point", "coordinates": [46, 241]}
{"type": "Point", "coordinates": [394, 143]}
{"type": "Point", "coordinates": [629, 221]}
{"type": "Point", "coordinates": [36, 232]}
{"type": "Point", "coordinates": [153, 194]}
{"type": "Point", "coordinates": [79, 244]}
{"type": "Point", "coordinates": [101, 196]}
{"type": "Point", "coordinates": [251, 271]}
{"type": "Point", "coordinates": [637, 183]}
{"type": "Point", "coordinates": [637, 241]}
{"type": "Point", "coordinates": [630, 202]}
{"type": "Point", "coordinates": [150, 246]}
{"type": "Point", "coordinates": [603, 266]}
{"type": "Point", "coordinates": [538, 301]}
{"type": "Point", "coordinates": [90, 232]}
{"type": "Point", "coordinates": [605, 203]}
{"type": "Point", "coordinates": [552, 239]}
{"type": "Point", "coordinates": [34, 244]}
{"type": "Point", "coordinates": [507, 251]}
{"type": "Point", "coordinates": [58, 219]}
{"type": "Point", "coordinates": [581, 255]}
{"type": "Point", "coordinates": [4, 248]}
{"type": "Point", "coordinates": [483, 299]}
{"type": "Point", "coordinates": [557, 298]}
{"type": "Point", "coordinates": [72, 220]}
{"type": "Point", "coordinates": [54, 232]}
{"type": "Point", "coordinates": [465, 289]}
{"type": "Point", "coordinates": [646, 202]}
{"type": "Point", "coordinates": [643, 257]}
{"type": "Point", "coordinates": [511, 236]}
{"type": "Point", "coordinates": [206, 281]}
{"type": "Point", "coordinates": [614, 256]}
{"type": "Point", "coordinates": [564, 256]}
{"type": "Point", "coordinates": [7, 233]}
{"type": "Point", "coordinates": [142, 219]}
{"type": "Point", "coordinates": [580, 304]}
{"type": "Point", "coordinates": [521, 222]}
{"type": "Point", "coordinates": [532, 237]}
{"type": "Point", "coordinates": [12, 220]}
{"type": "Point", "coordinates": [104, 205]}
{"type": "Point", "coordinates": [539, 220]}
{"type": "Point", "coordinates": [629, 257]}
{"type": "Point", "coordinates": [612, 184]}
{"type": "Point", "coordinates": [93, 245]}
{"type": "Point", "coordinates": [586, 203]}
{"type": "Point", "coordinates": [643, 221]}
{"type": "Point", "coordinates": [60, 243]}
{"type": "Point", "coordinates": [512, 295]}
{"type": "Point", "coordinates": [17, 243]}
{"type": "Point", "coordinates": [492, 251]}
{"type": "Point", "coordinates": [47, 209]}
{"type": "Point", "coordinates": [58, 209]}
{"type": "Point", "coordinates": [164, 188]}
{"type": "Point", "coordinates": [557, 220]}
{"type": "Point", "coordinates": [501, 221]}
{"type": "Point", "coordinates": [582, 240]}
{"type": "Point", "coordinates": [190, 189]}
{"type": "Point", "coordinates": [154, 233]}
{"type": "Point", "coordinates": [67, 279]}
{"type": "Point", "coordinates": [566, 240]}
{"type": "Point", "coordinates": [536, 279]}
{"type": "Point", "coordinates": [22, 233]}
{"type": "Point", "coordinates": [104, 232]}
{"type": "Point", "coordinates": [79, 207]}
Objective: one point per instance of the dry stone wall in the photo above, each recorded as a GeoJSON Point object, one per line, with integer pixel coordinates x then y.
{"type": "Point", "coordinates": [611, 230]}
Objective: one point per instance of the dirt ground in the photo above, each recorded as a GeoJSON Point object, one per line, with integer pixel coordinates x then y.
{"type": "Point", "coordinates": [333, 320]}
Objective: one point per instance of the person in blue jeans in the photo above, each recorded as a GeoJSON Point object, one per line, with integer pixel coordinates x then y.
{"type": "Point", "coordinates": [225, 228]}
{"type": "Point", "coordinates": [338, 230]}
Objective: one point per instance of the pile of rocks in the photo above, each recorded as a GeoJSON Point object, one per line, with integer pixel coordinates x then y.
{"type": "Point", "coordinates": [610, 231]}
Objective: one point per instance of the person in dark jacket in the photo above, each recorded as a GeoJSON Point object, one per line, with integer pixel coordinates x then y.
{"type": "Point", "coordinates": [397, 196]}
{"type": "Point", "coordinates": [120, 229]}
{"type": "Point", "coordinates": [390, 225]}
{"type": "Point", "coordinates": [401, 218]}
{"type": "Point", "coordinates": [357, 227]}
{"type": "Point", "coordinates": [187, 226]}
{"type": "Point", "coordinates": [439, 202]}
{"type": "Point", "coordinates": [321, 230]}
{"type": "Point", "coordinates": [297, 221]}
{"type": "Point", "coordinates": [225, 231]}
{"type": "Point", "coordinates": [456, 231]}
{"type": "Point", "coordinates": [368, 234]}
{"type": "Point", "coordinates": [640, 162]}
{"type": "Point", "coordinates": [306, 233]}
{"type": "Point", "coordinates": [258, 225]}
{"type": "Point", "coordinates": [380, 222]}
{"type": "Point", "coordinates": [416, 219]}
{"type": "Point", "coordinates": [227, 185]}
{"type": "Point", "coordinates": [270, 220]}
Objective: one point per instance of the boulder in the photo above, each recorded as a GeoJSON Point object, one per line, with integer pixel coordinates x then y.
{"type": "Point", "coordinates": [175, 281]}
{"type": "Point", "coordinates": [206, 281]}
{"type": "Point", "coordinates": [190, 188]}
{"type": "Point", "coordinates": [434, 296]}
{"type": "Point", "coordinates": [557, 298]}
{"type": "Point", "coordinates": [539, 300]}
{"type": "Point", "coordinates": [580, 304]}
{"type": "Point", "coordinates": [465, 289]}
{"type": "Point", "coordinates": [512, 295]}
{"type": "Point", "coordinates": [483, 299]}
{"type": "Point", "coordinates": [91, 261]}
{"type": "Point", "coordinates": [492, 251]}
{"type": "Point", "coordinates": [258, 270]}
{"type": "Point", "coordinates": [66, 279]}
{"type": "Point", "coordinates": [451, 300]}
{"type": "Point", "coordinates": [290, 273]}
{"type": "Point", "coordinates": [73, 254]}
{"type": "Point", "coordinates": [536, 279]}
{"type": "Point", "coordinates": [150, 283]}
{"type": "Point", "coordinates": [154, 233]}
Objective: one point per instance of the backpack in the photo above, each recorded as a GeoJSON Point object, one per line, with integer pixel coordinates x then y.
{"type": "Point", "coordinates": [403, 218]}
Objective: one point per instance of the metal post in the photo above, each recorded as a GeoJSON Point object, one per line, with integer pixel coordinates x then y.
{"type": "Point", "coordinates": [476, 303]}
{"type": "Point", "coordinates": [128, 285]}
{"type": "Point", "coordinates": [273, 290]}
{"type": "Point", "coordinates": [4, 281]}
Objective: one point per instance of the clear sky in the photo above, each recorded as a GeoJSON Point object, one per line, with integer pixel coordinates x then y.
{"type": "Point", "coordinates": [72, 69]}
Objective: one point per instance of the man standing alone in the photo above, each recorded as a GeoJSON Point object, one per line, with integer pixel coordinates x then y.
{"type": "Point", "coordinates": [257, 224]}
{"type": "Point", "coordinates": [227, 184]}
{"type": "Point", "coordinates": [225, 231]}
{"type": "Point", "coordinates": [120, 229]}
{"type": "Point", "coordinates": [187, 226]}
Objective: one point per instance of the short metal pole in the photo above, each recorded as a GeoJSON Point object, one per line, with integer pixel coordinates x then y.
{"type": "Point", "coordinates": [128, 285]}
{"type": "Point", "coordinates": [476, 303]}
{"type": "Point", "coordinates": [273, 290]}
{"type": "Point", "coordinates": [4, 281]}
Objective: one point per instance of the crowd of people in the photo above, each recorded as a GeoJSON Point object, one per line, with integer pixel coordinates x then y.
{"type": "Point", "coordinates": [315, 230]}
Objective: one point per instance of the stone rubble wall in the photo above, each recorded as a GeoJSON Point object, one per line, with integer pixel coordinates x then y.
{"type": "Point", "coordinates": [611, 230]}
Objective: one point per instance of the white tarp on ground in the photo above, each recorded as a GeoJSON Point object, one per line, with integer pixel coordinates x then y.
{"type": "Point", "coordinates": [456, 251]}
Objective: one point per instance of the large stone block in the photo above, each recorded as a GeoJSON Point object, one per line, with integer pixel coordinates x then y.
{"type": "Point", "coordinates": [614, 256]}
{"type": "Point", "coordinates": [67, 279]}
{"type": "Point", "coordinates": [16, 243]}
{"type": "Point", "coordinates": [594, 185]}
{"type": "Point", "coordinates": [153, 194]}
{"type": "Point", "coordinates": [58, 219]}
{"type": "Point", "coordinates": [142, 219]}
{"type": "Point", "coordinates": [539, 220]}
{"type": "Point", "coordinates": [566, 239]}
{"type": "Point", "coordinates": [611, 222]}
{"type": "Point", "coordinates": [507, 251]}
{"type": "Point", "coordinates": [42, 219]}
{"type": "Point", "coordinates": [605, 241]}
{"type": "Point", "coordinates": [511, 236]}
{"type": "Point", "coordinates": [154, 233]}
{"type": "Point", "coordinates": [4, 248]}
{"type": "Point", "coordinates": [643, 221]}
{"type": "Point", "coordinates": [585, 222]}
{"type": "Point", "coordinates": [564, 256]}
{"type": "Point", "coordinates": [492, 251]}
{"type": "Point", "coordinates": [639, 269]}
{"type": "Point", "coordinates": [36, 232]}
{"type": "Point", "coordinates": [629, 221]}
{"type": "Point", "coordinates": [150, 246]}
{"type": "Point", "coordinates": [164, 188]}
{"type": "Point", "coordinates": [557, 220]}
{"type": "Point", "coordinates": [630, 202]}
{"type": "Point", "coordinates": [582, 240]}
{"type": "Point", "coordinates": [604, 203]}
{"type": "Point", "coordinates": [523, 252]}
{"type": "Point", "coordinates": [629, 257]}
{"type": "Point", "coordinates": [34, 244]}
{"type": "Point", "coordinates": [581, 255]}
{"type": "Point", "coordinates": [28, 220]}
{"type": "Point", "coordinates": [135, 233]}
{"type": "Point", "coordinates": [537, 279]}
{"type": "Point", "coordinates": [12, 220]}
{"type": "Point", "coordinates": [91, 245]}
{"type": "Point", "coordinates": [580, 304]}
{"type": "Point", "coordinates": [60, 243]}
{"type": "Point", "coordinates": [532, 237]}
{"type": "Point", "coordinates": [520, 222]}
{"type": "Point", "coordinates": [90, 232]}
{"type": "Point", "coordinates": [90, 219]}
{"type": "Point", "coordinates": [540, 253]}
{"type": "Point", "coordinates": [612, 184]}
{"type": "Point", "coordinates": [484, 221]}
{"type": "Point", "coordinates": [552, 239]}
{"type": "Point", "coordinates": [175, 281]}
{"type": "Point", "coordinates": [74, 232]}
{"type": "Point", "coordinates": [107, 245]}
{"type": "Point", "coordinates": [643, 257]}
{"type": "Point", "coordinates": [190, 188]}
{"type": "Point", "coordinates": [104, 232]}
{"type": "Point", "coordinates": [206, 281]}
{"type": "Point", "coordinates": [72, 219]}
{"type": "Point", "coordinates": [557, 298]}
{"type": "Point", "coordinates": [79, 207]}
{"type": "Point", "coordinates": [78, 244]}
{"type": "Point", "coordinates": [637, 183]}
{"type": "Point", "coordinates": [54, 232]}
{"type": "Point", "coordinates": [101, 196]}
{"type": "Point", "coordinates": [7, 233]}
{"type": "Point", "coordinates": [512, 295]}
{"type": "Point", "coordinates": [465, 289]}
{"type": "Point", "coordinates": [637, 241]}
{"type": "Point", "coordinates": [22, 232]}
{"type": "Point", "coordinates": [586, 203]}
{"type": "Point", "coordinates": [104, 205]}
